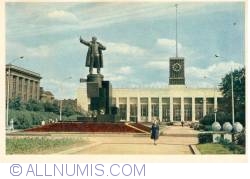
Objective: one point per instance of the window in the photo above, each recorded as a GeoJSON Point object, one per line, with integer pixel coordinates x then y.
{"type": "Point", "coordinates": [187, 109]}
{"type": "Point", "coordinates": [177, 109]}
{"type": "Point", "coordinates": [165, 109]}
{"type": "Point", "coordinates": [198, 108]}
{"type": "Point", "coordinates": [155, 108]}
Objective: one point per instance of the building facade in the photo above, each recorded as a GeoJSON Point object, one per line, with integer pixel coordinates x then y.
{"type": "Point", "coordinates": [174, 103]}
{"type": "Point", "coordinates": [22, 83]}
{"type": "Point", "coordinates": [46, 96]}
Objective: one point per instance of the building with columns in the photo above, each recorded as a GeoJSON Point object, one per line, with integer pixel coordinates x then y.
{"type": "Point", "coordinates": [177, 102]}
{"type": "Point", "coordinates": [22, 83]}
{"type": "Point", "coordinates": [174, 103]}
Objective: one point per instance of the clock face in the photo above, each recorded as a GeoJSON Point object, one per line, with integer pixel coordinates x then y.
{"type": "Point", "coordinates": [176, 67]}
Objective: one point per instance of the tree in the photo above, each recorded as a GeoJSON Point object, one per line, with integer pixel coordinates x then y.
{"type": "Point", "coordinates": [51, 107]}
{"type": "Point", "coordinates": [239, 94]}
{"type": "Point", "coordinates": [16, 104]}
{"type": "Point", "coordinates": [34, 105]}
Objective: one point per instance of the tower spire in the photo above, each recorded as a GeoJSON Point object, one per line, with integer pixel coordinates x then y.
{"type": "Point", "coordinates": [176, 28]}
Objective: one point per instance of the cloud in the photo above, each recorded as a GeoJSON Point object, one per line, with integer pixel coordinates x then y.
{"type": "Point", "coordinates": [210, 76]}
{"type": "Point", "coordinates": [160, 65]}
{"type": "Point", "coordinates": [126, 70]}
{"type": "Point", "coordinates": [61, 89]}
{"type": "Point", "coordinates": [41, 51]}
{"type": "Point", "coordinates": [167, 43]}
{"type": "Point", "coordinates": [62, 16]}
{"type": "Point", "coordinates": [124, 49]}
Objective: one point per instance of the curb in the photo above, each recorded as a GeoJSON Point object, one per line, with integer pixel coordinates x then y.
{"type": "Point", "coordinates": [194, 150]}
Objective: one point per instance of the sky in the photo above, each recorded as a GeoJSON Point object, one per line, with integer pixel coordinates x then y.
{"type": "Point", "coordinates": [139, 37]}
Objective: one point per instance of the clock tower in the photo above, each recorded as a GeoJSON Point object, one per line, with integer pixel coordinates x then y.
{"type": "Point", "coordinates": [176, 71]}
{"type": "Point", "coordinates": [176, 64]}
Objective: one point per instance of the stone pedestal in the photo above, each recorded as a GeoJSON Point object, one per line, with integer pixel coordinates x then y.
{"type": "Point", "coordinates": [228, 136]}
{"type": "Point", "coordinates": [95, 78]}
{"type": "Point", "coordinates": [222, 135]}
{"type": "Point", "coordinates": [216, 137]}
{"type": "Point", "coordinates": [100, 94]}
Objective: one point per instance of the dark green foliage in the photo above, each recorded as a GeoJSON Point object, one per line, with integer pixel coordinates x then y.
{"type": "Point", "coordinates": [34, 105]}
{"type": "Point", "coordinates": [205, 138]}
{"type": "Point", "coordinates": [239, 95]}
{"type": "Point", "coordinates": [240, 139]}
{"type": "Point", "coordinates": [33, 112]}
{"type": "Point", "coordinates": [68, 110]}
{"type": "Point", "coordinates": [51, 107]}
{"type": "Point", "coordinates": [237, 149]}
{"type": "Point", "coordinates": [27, 119]}
{"type": "Point", "coordinates": [221, 117]}
{"type": "Point", "coordinates": [17, 104]}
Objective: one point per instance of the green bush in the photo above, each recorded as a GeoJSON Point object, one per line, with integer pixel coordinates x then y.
{"type": "Point", "coordinates": [221, 118]}
{"type": "Point", "coordinates": [208, 128]}
{"type": "Point", "coordinates": [205, 138]}
{"type": "Point", "coordinates": [240, 139]}
{"type": "Point", "coordinates": [232, 146]}
{"type": "Point", "coordinates": [27, 119]}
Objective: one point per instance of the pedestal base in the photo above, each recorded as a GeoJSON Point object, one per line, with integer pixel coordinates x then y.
{"type": "Point", "coordinates": [95, 78]}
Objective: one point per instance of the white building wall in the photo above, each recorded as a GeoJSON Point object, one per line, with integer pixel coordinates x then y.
{"type": "Point", "coordinates": [171, 91]}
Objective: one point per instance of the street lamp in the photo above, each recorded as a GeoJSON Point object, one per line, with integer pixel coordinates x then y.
{"type": "Point", "coordinates": [8, 90]}
{"type": "Point", "coordinates": [61, 88]}
{"type": "Point", "coordinates": [232, 89]}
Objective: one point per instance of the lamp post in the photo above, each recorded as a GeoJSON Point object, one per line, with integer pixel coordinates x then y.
{"type": "Point", "coordinates": [61, 88]}
{"type": "Point", "coordinates": [232, 90]}
{"type": "Point", "coordinates": [8, 90]}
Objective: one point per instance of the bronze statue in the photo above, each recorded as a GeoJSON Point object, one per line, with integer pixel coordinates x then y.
{"type": "Point", "coordinates": [94, 57]}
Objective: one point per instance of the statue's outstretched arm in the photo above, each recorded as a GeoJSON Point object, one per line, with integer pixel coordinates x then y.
{"type": "Point", "coordinates": [102, 47]}
{"type": "Point", "coordinates": [84, 42]}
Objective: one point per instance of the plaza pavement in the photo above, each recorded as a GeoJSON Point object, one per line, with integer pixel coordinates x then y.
{"type": "Point", "coordinates": [173, 140]}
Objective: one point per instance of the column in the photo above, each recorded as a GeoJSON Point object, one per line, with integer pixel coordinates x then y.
{"type": "Point", "coordinates": [193, 109]}
{"type": "Point", "coordinates": [117, 102]}
{"type": "Point", "coordinates": [28, 90]}
{"type": "Point", "coordinates": [10, 86]}
{"type": "Point", "coordinates": [182, 108]}
{"type": "Point", "coordinates": [149, 110]}
{"type": "Point", "coordinates": [160, 109]}
{"type": "Point", "coordinates": [171, 110]}
{"type": "Point", "coordinates": [17, 86]}
{"type": "Point", "coordinates": [33, 90]}
{"type": "Point", "coordinates": [138, 109]}
{"type": "Point", "coordinates": [204, 106]}
{"type": "Point", "coordinates": [38, 90]}
{"type": "Point", "coordinates": [23, 81]}
{"type": "Point", "coordinates": [215, 103]}
{"type": "Point", "coordinates": [128, 109]}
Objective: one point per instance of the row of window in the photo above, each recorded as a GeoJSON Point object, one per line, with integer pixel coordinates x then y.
{"type": "Point", "coordinates": [165, 112]}
{"type": "Point", "coordinates": [165, 100]}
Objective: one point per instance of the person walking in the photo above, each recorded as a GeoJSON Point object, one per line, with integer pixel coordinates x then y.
{"type": "Point", "coordinates": [155, 131]}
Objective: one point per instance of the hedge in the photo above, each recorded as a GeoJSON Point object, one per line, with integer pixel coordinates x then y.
{"type": "Point", "coordinates": [205, 138]}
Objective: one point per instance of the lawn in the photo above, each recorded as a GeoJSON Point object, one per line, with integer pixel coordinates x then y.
{"type": "Point", "coordinates": [41, 145]}
{"type": "Point", "coordinates": [213, 149]}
